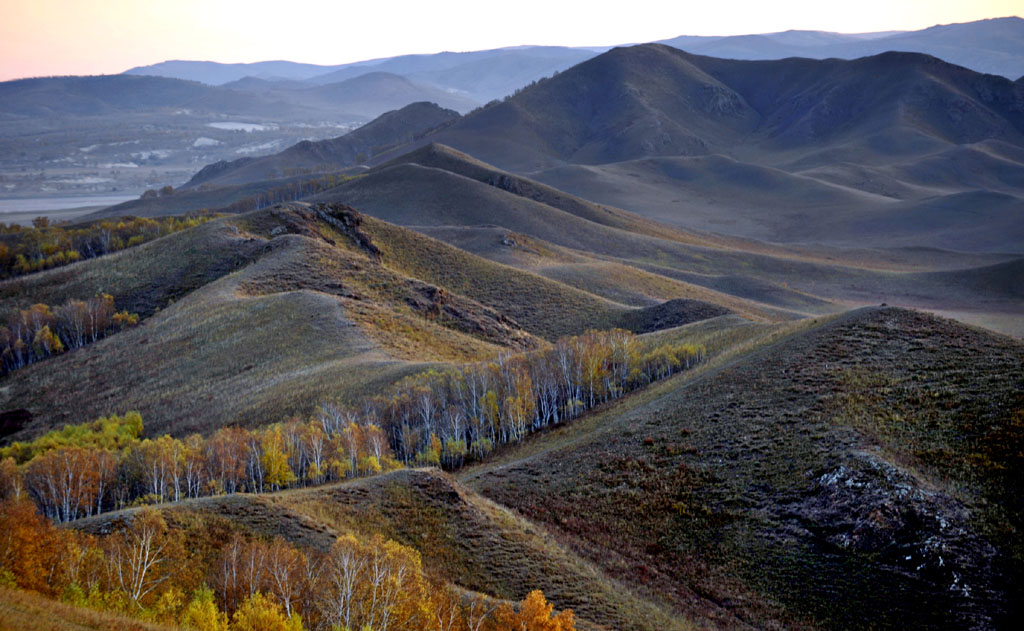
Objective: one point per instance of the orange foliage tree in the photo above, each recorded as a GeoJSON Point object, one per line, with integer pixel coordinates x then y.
{"type": "Point", "coordinates": [534, 613]}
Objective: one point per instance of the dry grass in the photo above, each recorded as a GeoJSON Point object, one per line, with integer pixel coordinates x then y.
{"type": "Point", "coordinates": [27, 611]}
{"type": "Point", "coordinates": [707, 490]}
{"type": "Point", "coordinates": [143, 279]}
{"type": "Point", "coordinates": [476, 544]}
{"type": "Point", "coordinates": [299, 324]}
{"type": "Point", "coordinates": [541, 306]}
{"type": "Point", "coordinates": [310, 316]}
{"type": "Point", "coordinates": [464, 539]}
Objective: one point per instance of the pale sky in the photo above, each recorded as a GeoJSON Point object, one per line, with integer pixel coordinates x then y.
{"type": "Point", "coordinates": [50, 37]}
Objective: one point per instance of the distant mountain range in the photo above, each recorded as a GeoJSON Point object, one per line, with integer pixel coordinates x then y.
{"type": "Point", "coordinates": [479, 75]}
{"type": "Point", "coordinates": [898, 149]}
{"type": "Point", "coordinates": [363, 97]}
{"type": "Point", "coordinates": [113, 94]}
{"type": "Point", "coordinates": [284, 92]}
{"type": "Point", "coordinates": [993, 46]}
{"type": "Point", "coordinates": [839, 462]}
{"type": "Point", "coordinates": [386, 132]}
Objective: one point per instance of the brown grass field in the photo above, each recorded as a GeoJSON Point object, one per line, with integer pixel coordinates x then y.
{"type": "Point", "coordinates": [26, 611]}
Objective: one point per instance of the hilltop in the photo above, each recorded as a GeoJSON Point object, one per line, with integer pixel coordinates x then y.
{"type": "Point", "coordinates": [883, 493]}
{"type": "Point", "coordinates": [253, 297]}
{"type": "Point", "coordinates": [630, 258]}
{"type": "Point", "coordinates": [620, 342]}
{"type": "Point", "coordinates": [897, 150]}
{"type": "Point", "coordinates": [886, 481]}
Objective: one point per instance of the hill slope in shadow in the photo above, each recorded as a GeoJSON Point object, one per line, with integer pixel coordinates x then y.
{"type": "Point", "coordinates": [836, 152]}
{"type": "Point", "coordinates": [830, 471]}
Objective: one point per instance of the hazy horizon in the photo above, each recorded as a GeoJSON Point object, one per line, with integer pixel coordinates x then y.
{"type": "Point", "coordinates": [52, 37]}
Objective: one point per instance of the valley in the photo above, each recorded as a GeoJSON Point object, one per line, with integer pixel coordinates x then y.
{"type": "Point", "coordinates": [711, 333]}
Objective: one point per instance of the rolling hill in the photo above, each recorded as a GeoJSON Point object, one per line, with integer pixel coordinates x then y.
{"type": "Point", "coordinates": [884, 492]}
{"type": "Point", "coordinates": [855, 511]}
{"type": "Point", "coordinates": [461, 200]}
{"type": "Point", "coordinates": [243, 304]}
{"type": "Point", "coordinates": [626, 257]}
{"type": "Point", "coordinates": [840, 152]}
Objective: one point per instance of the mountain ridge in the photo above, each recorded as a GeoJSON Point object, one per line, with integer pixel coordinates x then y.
{"type": "Point", "coordinates": [991, 46]}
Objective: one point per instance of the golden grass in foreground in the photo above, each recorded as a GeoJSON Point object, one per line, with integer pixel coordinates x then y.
{"type": "Point", "coordinates": [28, 611]}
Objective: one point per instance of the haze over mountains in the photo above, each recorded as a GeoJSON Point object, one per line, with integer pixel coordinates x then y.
{"type": "Point", "coordinates": [899, 151]}
{"type": "Point", "coordinates": [279, 103]}
{"type": "Point", "coordinates": [888, 148]}
{"type": "Point", "coordinates": [988, 46]}
{"type": "Point", "coordinates": [824, 258]}
{"type": "Point", "coordinates": [479, 75]}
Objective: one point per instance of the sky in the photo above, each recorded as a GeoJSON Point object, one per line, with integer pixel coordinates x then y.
{"type": "Point", "coordinates": [61, 37]}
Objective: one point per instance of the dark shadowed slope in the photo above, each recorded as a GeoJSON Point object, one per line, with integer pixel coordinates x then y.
{"type": "Point", "coordinates": [805, 102]}
{"type": "Point", "coordinates": [626, 103]}
{"type": "Point", "coordinates": [655, 100]}
{"type": "Point", "coordinates": [861, 473]}
{"type": "Point", "coordinates": [795, 150]}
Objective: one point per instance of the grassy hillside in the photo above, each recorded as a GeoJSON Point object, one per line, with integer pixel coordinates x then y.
{"type": "Point", "coordinates": [460, 200]}
{"type": "Point", "coordinates": [826, 147]}
{"type": "Point", "coordinates": [883, 493]}
{"type": "Point", "coordinates": [469, 541]}
{"type": "Point", "coordinates": [478, 545]}
{"type": "Point", "coordinates": [465, 539]}
{"type": "Point", "coordinates": [27, 611]}
{"type": "Point", "coordinates": [856, 471]}
{"type": "Point", "coordinates": [252, 318]}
